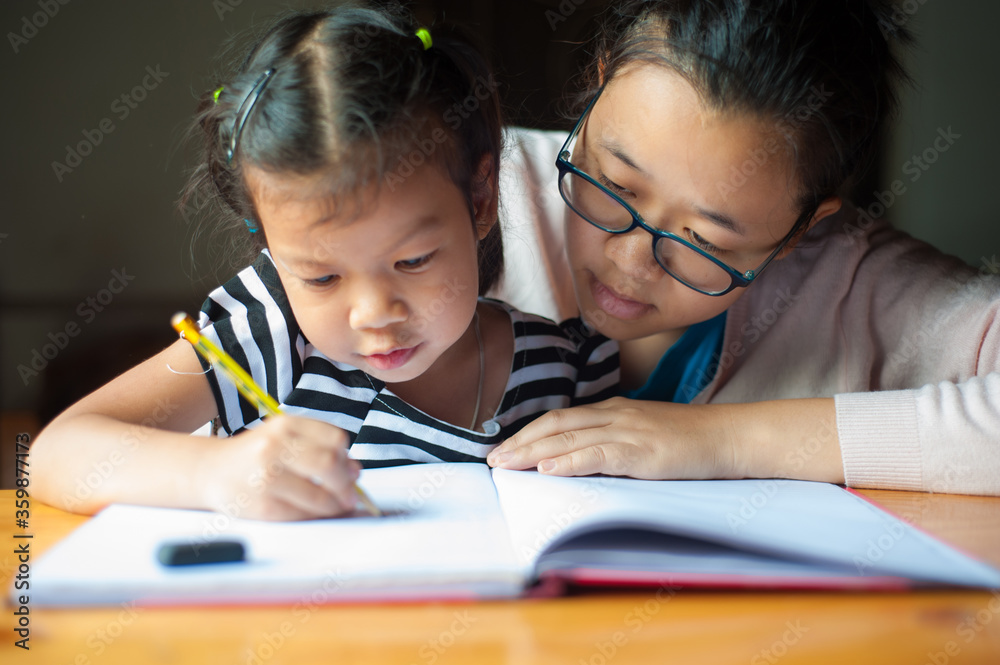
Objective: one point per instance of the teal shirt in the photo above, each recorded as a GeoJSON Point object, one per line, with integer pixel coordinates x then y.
{"type": "Point", "coordinates": [687, 366]}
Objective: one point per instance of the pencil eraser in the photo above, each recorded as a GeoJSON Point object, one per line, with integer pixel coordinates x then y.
{"type": "Point", "coordinates": [187, 553]}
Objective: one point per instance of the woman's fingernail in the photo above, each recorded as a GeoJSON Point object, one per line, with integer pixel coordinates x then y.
{"type": "Point", "coordinates": [500, 458]}
{"type": "Point", "coordinates": [547, 465]}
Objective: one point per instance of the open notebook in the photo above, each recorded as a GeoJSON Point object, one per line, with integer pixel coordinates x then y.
{"type": "Point", "coordinates": [462, 530]}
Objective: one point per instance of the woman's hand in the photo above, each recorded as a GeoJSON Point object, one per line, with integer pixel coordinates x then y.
{"type": "Point", "coordinates": [659, 440]}
{"type": "Point", "coordinates": [288, 469]}
{"type": "Point", "coordinates": [624, 437]}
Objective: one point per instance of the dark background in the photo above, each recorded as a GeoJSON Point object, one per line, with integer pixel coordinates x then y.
{"type": "Point", "coordinates": [61, 240]}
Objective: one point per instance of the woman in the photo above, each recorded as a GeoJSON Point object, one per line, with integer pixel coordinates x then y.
{"type": "Point", "coordinates": [699, 221]}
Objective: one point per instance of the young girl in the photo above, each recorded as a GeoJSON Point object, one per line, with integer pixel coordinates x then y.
{"type": "Point", "coordinates": [361, 155]}
{"type": "Point", "coordinates": [713, 138]}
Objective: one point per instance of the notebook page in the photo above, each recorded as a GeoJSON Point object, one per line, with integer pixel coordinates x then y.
{"type": "Point", "coordinates": [804, 521]}
{"type": "Point", "coordinates": [443, 535]}
{"type": "Point", "coordinates": [648, 557]}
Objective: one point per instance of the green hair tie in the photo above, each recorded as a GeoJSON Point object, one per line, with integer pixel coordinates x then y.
{"type": "Point", "coordinates": [215, 95]}
{"type": "Point", "coordinates": [425, 37]}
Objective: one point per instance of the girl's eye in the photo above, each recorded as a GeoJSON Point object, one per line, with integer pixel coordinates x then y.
{"type": "Point", "coordinates": [415, 264]}
{"type": "Point", "coordinates": [326, 280]}
{"type": "Point", "coordinates": [704, 244]}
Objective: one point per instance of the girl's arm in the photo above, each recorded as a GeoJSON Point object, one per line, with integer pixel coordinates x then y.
{"type": "Point", "coordinates": [129, 442]}
{"type": "Point", "coordinates": [659, 440]}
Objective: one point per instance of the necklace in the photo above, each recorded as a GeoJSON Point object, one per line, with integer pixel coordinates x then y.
{"type": "Point", "coordinates": [482, 371]}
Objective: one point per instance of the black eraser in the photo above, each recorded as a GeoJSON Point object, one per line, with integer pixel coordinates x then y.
{"type": "Point", "coordinates": [190, 553]}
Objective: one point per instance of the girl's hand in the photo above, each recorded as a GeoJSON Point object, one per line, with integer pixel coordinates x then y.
{"type": "Point", "coordinates": [661, 440]}
{"type": "Point", "coordinates": [290, 468]}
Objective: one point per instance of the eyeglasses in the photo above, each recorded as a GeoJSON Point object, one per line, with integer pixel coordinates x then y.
{"type": "Point", "coordinates": [689, 264]}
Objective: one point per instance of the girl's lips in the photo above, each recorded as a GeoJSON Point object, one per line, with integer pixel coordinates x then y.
{"type": "Point", "coordinates": [614, 304]}
{"type": "Point", "coordinates": [392, 360]}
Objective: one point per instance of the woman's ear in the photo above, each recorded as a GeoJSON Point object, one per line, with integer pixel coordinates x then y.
{"type": "Point", "coordinates": [825, 209]}
{"type": "Point", "coordinates": [485, 196]}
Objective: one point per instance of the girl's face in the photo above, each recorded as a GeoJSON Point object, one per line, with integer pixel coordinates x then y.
{"type": "Point", "coordinates": [387, 287]}
{"type": "Point", "coordinates": [722, 182]}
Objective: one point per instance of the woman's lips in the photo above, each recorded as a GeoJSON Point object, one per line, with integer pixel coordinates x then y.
{"type": "Point", "coordinates": [614, 304]}
{"type": "Point", "coordinates": [392, 360]}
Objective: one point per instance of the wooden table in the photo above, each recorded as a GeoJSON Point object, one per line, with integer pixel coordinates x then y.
{"type": "Point", "coordinates": [687, 626]}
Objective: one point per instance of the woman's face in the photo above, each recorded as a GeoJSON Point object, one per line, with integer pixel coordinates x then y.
{"type": "Point", "coordinates": [724, 182]}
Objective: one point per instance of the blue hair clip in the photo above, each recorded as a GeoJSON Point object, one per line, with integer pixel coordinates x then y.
{"type": "Point", "coordinates": [246, 108]}
{"type": "Point", "coordinates": [250, 225]}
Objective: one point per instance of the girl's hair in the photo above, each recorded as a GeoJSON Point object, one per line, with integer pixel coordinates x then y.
{"type": "Point", "coordinates": [820, 72]}
{"type": "Point", "coordinates": [355, 97]}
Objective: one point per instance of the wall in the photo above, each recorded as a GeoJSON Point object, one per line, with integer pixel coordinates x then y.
{"type": "Point", "coordinates": [943, 154]}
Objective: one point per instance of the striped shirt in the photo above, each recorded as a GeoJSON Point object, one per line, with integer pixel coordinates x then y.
{"type": "Point", "coordinates": [554, 366]}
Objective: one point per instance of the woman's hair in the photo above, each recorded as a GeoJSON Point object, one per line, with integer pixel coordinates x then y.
{"type": "Point", "coordinates": [353, 96]}
{"type": "Point", "coordinates": [820, 72]}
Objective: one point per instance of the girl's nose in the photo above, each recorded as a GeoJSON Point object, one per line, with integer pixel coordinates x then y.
{"type": "Point", "coordinates": [375, 306]}
{"type": "Point", "coordinates": [632, 254]}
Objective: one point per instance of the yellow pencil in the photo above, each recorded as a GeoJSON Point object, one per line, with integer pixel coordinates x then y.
{"type": "Point", "coordinates": [244, 383]}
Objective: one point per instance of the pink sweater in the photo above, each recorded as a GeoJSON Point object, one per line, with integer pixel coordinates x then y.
{"type": "Point", "coordinates": [905, 338]}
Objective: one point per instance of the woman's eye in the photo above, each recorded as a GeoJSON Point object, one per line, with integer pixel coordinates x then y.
{"type": "Point", "coordinates": [413, 264]}
{"type": "Point", "coordinates": [613, 186]}
{"type": "Point", "coordinates": [704, 244]}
